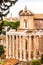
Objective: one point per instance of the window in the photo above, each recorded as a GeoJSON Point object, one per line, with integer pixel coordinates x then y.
{"type": "Point", "coordinates": [25, 24]}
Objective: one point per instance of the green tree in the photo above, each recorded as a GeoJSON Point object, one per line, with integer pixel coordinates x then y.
{"type": "Point", "coordinates": [1, 26]}
{"type": "Point", "coordinates": [16, 25]}
{"type": "Point", "coordinates": [5, 7]}
{"type": "Point", "coordinates": [5, 23]}
{"type": "Point", "coordinates": [1, 50]}
{"type": "Point", "coordinates": [35, 62]}
{"type": "Point", "coordinates": [13, 25]}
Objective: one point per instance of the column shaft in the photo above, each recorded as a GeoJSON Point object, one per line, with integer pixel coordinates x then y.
{"type": "Point", "coordinates": [24, 51]}
{"type": "Point", "coordinates": [6, 46]}
{"type": "Point", "coordinates": [35, 42]}
{"type": "Point", "coordinates": [16, 47]}
{"type": "Point", "coordinates": [30, 42]}
{"type": "Point", "coordinates": [20, 47]}
{"type": "Point", "coordinates": [10, 46]}
{"type": "Point", "coordinates": [13, 44]}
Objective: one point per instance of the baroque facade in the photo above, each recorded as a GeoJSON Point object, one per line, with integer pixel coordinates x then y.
{"type": "Point", "coordinates": [27, 42]}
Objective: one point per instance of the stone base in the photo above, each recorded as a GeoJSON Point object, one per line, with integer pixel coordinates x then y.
{"type": "Point", "coordinates": [17, 58]}
{"type": "Point", "coordinates": [34, 58]}
{"type": "Point", "coordinates": [24, 60]}
{"type": "Point", "coordinates": [6, 57]}
{"type": "Point", "coordinates": [20, 59]}
{"type": "Point", "coordinates": [30, 59]}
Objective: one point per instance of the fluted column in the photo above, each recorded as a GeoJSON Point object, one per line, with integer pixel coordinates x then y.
{"type": "Point", "coordinates": [6, 46]}
{"type": "Point", "coordinates": [16, 47]}
{"type": "Point", "coordinates": [13, 44]}
{"type": "Point", "coordinates": [20, 47]}
{"type": "Point", "coordinates": [29, 53]}
{"type": "Point", "coordinates": [35, 42]}
{"type": "Point", "coordinates": [24, 51]}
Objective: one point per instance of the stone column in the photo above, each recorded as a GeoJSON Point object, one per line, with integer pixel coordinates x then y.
{"type": "Point", "coordinates": [29, 53]}
{"type": "Point", "coordinates": [35, 42]}
{"type": "Point", "coordinates": [24, 51]}
{"type": "Point", "coordinates": [6, 46]}
{"type": "Point", "coordinates": [10, 46]}
{"type": "Point", "coordinates": [16, 47]}
{"type": "Point", "coordinates": [13, 45]}
{"type": "Point", "coordinates": [20, 48]}
{"type": "Point", "coordinates": [40, 46]}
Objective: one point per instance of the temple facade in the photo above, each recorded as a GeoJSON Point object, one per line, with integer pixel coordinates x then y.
{"type": "Point", "coordinates": [27, 42]}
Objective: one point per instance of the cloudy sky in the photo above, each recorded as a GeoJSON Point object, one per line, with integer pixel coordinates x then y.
{"type": "Point", "coordinates": [36, 6]}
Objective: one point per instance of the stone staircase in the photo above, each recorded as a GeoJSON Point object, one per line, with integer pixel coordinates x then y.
{"type": "Point", "coordinates": [23, 63]}
{"type": "Point", "coordinates": [11, 61]}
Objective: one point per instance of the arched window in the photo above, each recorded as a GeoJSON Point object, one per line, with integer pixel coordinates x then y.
{"type": "Point", "coordinates": [25, 23]}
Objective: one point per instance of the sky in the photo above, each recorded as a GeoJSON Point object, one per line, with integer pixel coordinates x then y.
{"type": "Point", "coordinates": [36, 6]}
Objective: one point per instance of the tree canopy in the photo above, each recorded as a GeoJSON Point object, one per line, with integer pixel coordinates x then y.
{"type": "Point", "coordinates": [1, 26]}
{"type": "Point", "coordinates": [4, 7]}
{"type": "Point", "coordinates": [13, 25]}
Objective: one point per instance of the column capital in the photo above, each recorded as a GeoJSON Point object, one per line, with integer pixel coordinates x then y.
{"type": "Point", "coordinates": [39, 36]}
{"type": "Point", "coordinates": [23, 36]}
{"type": "Point", "coordinates": [20, 36]}
{"type": "Point", "coordinates": [35, 35]}
{"type": "Point", "coordinates": [29, 35]}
